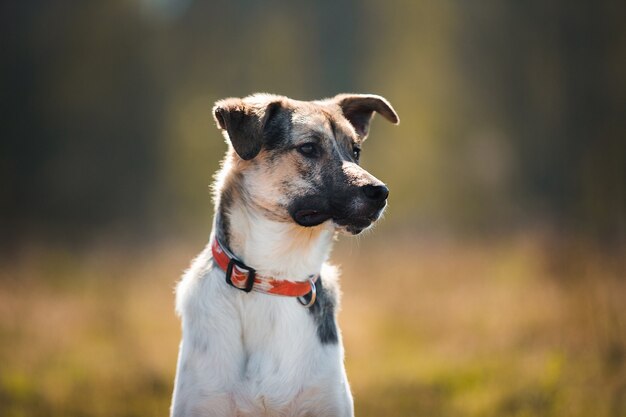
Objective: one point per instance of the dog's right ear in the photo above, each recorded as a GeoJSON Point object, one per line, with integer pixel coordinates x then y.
{"type": "Point", "coordinates": [244, 124]}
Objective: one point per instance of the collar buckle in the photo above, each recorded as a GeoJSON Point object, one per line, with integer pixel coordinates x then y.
{"type": "Point", "coordinates": [251, 272]}
{"type": "Point", "coordinates": [302, 299]}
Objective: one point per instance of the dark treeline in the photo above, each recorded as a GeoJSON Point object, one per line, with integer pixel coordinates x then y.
{"type": "Point", "coordinates": [512, 112]}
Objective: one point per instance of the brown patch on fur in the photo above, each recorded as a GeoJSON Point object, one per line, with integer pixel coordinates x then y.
{"type": "Point", "coordinates": [271, 184]}
{"type": "Point", "coordinates": [255, 183]}
{"type": "Point", "coordinates": [230, 189]}
{"type": "Point", "coordinates": [354, 175]}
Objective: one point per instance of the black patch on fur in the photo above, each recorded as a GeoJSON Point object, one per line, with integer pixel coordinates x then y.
{"type": "Point", "coordinates": [333, 128]}
{"type": "Point", "coordinates": [222, 227]}
{"type": "Point", "coordinates": [232, 190]}
{"type": "Point", "coordinates": [222, 224]}
{"type": "Point", "coordinates": [246, 131]}
{"type": "Point", "coordinates": [242, 126]}
{"type": "Point", "coordinates": [277, 127]}
{"type": "Point", "coordinates": [323, 312]}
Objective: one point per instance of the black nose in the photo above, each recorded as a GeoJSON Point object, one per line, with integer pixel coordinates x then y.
{"type": "Point", "coordinates": [376, 192]}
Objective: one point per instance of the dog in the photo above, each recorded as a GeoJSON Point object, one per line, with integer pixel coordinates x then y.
{"type": "Point", "coordinates": [258, 306]}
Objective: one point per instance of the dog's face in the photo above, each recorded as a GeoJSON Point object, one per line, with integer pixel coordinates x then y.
{"type": "Point", "coordinates": [299, 161]}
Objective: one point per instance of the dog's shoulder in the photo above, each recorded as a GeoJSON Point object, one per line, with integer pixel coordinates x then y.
{"type": "Point", "coordinates": [330, 277]}
{"type": "Point", "coordinates": [188, 287]}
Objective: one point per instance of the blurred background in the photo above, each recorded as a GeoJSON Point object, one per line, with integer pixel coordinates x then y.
{"type": "Point", "coordinates": [503, 283]}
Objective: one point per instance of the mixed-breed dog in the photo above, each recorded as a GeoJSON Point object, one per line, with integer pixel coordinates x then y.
{"type": "Point", "coordinates": [259, 304]}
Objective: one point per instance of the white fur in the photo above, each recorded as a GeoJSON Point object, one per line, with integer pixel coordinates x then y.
{"type": "Point", "coordinates": [253, 354]}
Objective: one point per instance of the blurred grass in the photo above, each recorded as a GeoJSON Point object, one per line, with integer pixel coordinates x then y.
{"type": "Point", "coordinates": [507, 327]}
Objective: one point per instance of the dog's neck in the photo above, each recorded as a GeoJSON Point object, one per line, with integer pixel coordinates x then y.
{"type": "Point", "coordinates": [275, 248]}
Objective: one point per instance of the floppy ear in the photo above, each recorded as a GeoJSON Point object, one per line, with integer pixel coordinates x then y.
{"type": "Point", "coordinates": [359, 109]}
{"type": "Point", "coordinates": [244, 124]}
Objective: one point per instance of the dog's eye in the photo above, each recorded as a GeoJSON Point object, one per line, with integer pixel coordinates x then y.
{"type": "Point", "coordinates": [308, 149]}
{"type": "Point", "coordinates": [356, 152]}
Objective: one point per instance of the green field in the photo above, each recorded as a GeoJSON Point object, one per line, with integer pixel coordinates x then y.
{"type": "Point", "coordinates": [523, 326]}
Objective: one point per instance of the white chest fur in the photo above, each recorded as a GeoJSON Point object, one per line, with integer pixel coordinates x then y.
{"type": "Point", "coordinates": [251, 354]}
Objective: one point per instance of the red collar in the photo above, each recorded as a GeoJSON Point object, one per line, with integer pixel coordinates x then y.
{"type": "Point", "coordinates": [245, 278]}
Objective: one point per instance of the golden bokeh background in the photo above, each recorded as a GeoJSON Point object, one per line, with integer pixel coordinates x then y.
{"type": "Point", "coordinates": [495, 284]}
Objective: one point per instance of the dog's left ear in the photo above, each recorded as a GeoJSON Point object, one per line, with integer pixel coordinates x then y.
{"type": "Point", "coordinates": [359, 109]}
{"type": "Point", "coordinates": [244, 123]}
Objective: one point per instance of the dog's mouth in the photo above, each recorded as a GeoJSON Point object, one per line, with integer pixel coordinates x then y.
{"type": "Point", "coordinates": [351, 224]}
{"type": "Point", "coordinates": [310, 218]}
{"type": "Point", "coordinates": [354, 225]}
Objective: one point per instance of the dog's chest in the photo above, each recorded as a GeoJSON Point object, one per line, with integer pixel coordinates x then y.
{"type": "Point", "coordinates": [280, 346]}
{"type": "Point", "coordinates": [286, 368]}
{"type": "Point", "coordinates": [255, 354]}
{"type": "Point", "coordinates": [277, 334]}
{"type": "Point", "coordinates": [264, 350]}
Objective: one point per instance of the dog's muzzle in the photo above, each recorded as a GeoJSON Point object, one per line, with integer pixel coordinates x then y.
{"type": "Point", "coordinates": [356, 208]}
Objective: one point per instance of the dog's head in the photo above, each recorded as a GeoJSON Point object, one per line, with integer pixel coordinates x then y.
{"type": "Point", "coordinates": [299, 161]}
